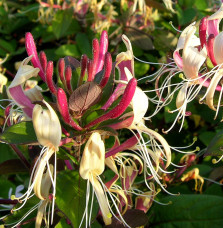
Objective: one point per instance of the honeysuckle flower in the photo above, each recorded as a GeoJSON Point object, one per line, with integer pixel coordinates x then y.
{"type": "Point", "coordinates": [15, 89]}
{"type": "Point", "coordinates": [43, 204]}
{"type": "Point", "coordinates": [92, 165]}
{"type": "Point", "coordinates": [194, 174]}
{"type": "Point", "coordinates": [48, 131]}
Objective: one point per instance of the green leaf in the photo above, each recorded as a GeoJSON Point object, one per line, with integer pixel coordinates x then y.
{"type": "Point", "coordinates": [68, 50]}
{"type": "Point", "coordinates": [215, 147]}
{"type": "Point", "coordinates": [71, 195]}
{"type": "Point", "coordinates": [62, 224]}
{"type": "Point", "coordinates": [83, 44]}
{"type": "Point", "coordinates": [21, 133]}
{"type": "Point", "coordinates": [12, 166]}
{"type": "Point", "coordinates": [200, 211]}
{"type": "Point", "coordinates": [61, 22]}
{"type": "Point", "coordinates": [17, 215]}
{"type": "Point", "coordinates": [6, 152]}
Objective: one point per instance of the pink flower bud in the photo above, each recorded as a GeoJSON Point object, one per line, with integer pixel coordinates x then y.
{"type": "Point", "coordinates": [95, 52]}
{"type": "Point", "coordinates": [49, 78]}
{"type": "Point", "coordinates": [61, 66]}
{"type": "Point", "coordinates": [68, 76]}
{"type": "Point", "coordinates": [202, 31]}
{"type": "Point", "coordinates": [102, 50]}
{"type": "Point", "coordinates": [63, 108]}
{"type": "Point", "coordinates": [31, 50]}
{"type": "Point", "coordinates": [121, 107]}
{"type": "Point", "coordinates": [107, 70]}
{"type": "Point", "coordinates": [90, 70]}
{"type": "Point", "coordinates": [43, 60]}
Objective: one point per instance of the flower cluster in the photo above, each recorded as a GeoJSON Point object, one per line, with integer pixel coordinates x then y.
{"type": "Point", "coordinates": [197, 60]}
{"type": "Point", "coordinates": [90, 103]}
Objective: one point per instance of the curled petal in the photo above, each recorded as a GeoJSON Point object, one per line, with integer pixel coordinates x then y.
{"type": "Point", "coordinates": [192, 58]}
{"type": "Point", "coordinates": [213, 84]}
{"type": "Point", "coordinates": [40, 213]}
{"type": "Point", "coordinates": [24, 73]}
{"type": "Point", "coordinates": [34, 94]}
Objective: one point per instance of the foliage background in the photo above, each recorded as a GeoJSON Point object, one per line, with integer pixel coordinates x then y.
{"type": "Point", "coordinates": [60, 33]}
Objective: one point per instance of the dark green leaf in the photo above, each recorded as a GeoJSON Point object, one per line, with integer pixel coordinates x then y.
{"type": "Point", "coordinates": [215, 148]}
{"type": "Point", "coordinates": [71, 195]}
{"type": "Point", "coordinates": [200, 211]}
{"type": "Point", "coordinates": [21, 133]}
{"type": "Point", "coordinates": [12, 166]}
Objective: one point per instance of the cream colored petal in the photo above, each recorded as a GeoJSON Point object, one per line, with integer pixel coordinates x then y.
{"type": "Point", "coordinates": [38, 175]}
{"type": "Point", "coordinates": [103, 203]}
{"type": "Point", "coordinates": [218, 48]}
{"type": "Point", "coordinates": [111, 164]}
{"type": "Point", "coordinates": [24, 73]}
{"type": "Point", "coordinates": [218, 14]}
{"type": "Point", "coordinates": [182, 38]}
{"type": "Point", "coordinates": [192, 58]}
{"type": "Point", "coordinates": [213, 84]}
{"type": "Point", "coordinates": [93, 158]}
{"type": "Point", "coordinates": [46, 182]}
{"type": "Point", "coordinates": [40, 213]}
{"type": "Point", "coordinates": [47, 126]}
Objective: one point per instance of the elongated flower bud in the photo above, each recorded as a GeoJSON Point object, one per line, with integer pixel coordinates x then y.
{"type": "Point", "coordinates": [43, 60]}
{"type": "Point", "coordinates": [107, 70]}
{"type": "Point", "coordinates": [202, 31]}
{"type": "Point", "coordinates": [90, 70]}
{"type": "Point", "coordinates": [61, 67]}
{"type": "Point", "coordinates": [68, 76]}
{"type": "Point", "coordinates": [31, 50]}
{"type": "Point", "coordinates": [102, 50]}
{"type": "Point", "coordinates": [95, 49]}
{"type": "Point", "coordinates": [63, 108]}
{"type": "Point", "coordinates": [49, 78]}
{"type": "Point", "coordinates": [84, 60]}
{"type": "Point", "coordinates": [121, 107]}
{"type": "Point", "coordinates": [47, 126]}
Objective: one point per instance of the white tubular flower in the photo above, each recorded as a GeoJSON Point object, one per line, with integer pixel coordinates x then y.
{"type": "Point", "coordinates": [47, 126]}
{"type": "Point", "coordinates": [48, 131]}
{"type": "Point", "coordinates": [218, 48]}
{"type": "Point", "coordinates": [15, 89]}
{"type": "Point", "coordinates": [192, 58]}
{"type": "Point", "coordinates": [91, 166]}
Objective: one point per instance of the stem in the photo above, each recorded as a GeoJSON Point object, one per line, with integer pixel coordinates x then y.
{"type": "Point", "coordinates": [21, 156]}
